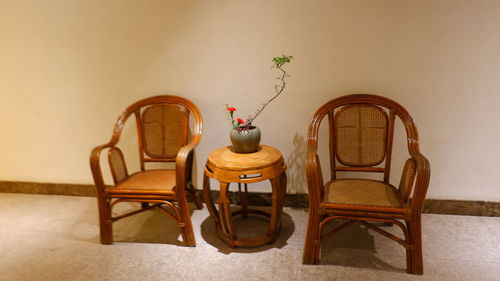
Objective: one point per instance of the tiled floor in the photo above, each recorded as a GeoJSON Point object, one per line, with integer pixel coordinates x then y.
{"type": "Point", "coordinates": [54, 238]}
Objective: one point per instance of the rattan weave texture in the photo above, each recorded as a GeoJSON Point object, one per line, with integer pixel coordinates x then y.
{"type": "Point", "coordinates": [363, 192]}
{"type": "Point", "coordinates": [407, 178]}
{"type": "Point", "coordinates": [360, 133]}
{"type": "Point", "coordinates": [162, 125]}
{"type": "Point", "coordinates": [117, 164]}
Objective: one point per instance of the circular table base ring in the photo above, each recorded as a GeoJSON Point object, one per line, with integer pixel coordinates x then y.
{"type": "Point", "coordinates": [249, 242]}
{"type": "Point", "coordinates": [242, 212]}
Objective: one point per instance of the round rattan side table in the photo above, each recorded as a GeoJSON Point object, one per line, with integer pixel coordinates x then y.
{"type": "Point", "coordinates": [228, 167]}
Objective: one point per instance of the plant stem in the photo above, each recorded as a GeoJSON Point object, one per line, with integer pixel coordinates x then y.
{"type": "Point", "coordinates": [283, 84]}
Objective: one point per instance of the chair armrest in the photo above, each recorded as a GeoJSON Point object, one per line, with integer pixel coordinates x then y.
{"type": "Point", "coordinates": [423, 173]}
{"type": "Point", "coordinates": [314, 179]}
{"type": "Point", "coordinates": [407, 179]}
{"type": "Point", "coordinates": [95, 166]}
{"type": "Point", "coordinates": [182, 167]}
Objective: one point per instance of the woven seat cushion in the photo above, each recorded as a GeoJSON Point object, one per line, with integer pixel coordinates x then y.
{"type": "Point", "coordinates": [363, 192]}
{"type": "Point", "coordinates": [163, 180]}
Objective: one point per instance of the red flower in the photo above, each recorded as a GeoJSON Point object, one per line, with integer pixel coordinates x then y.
{"type": "Point", "coordinates": [231, 109]}
{"type": "Point", "coordinates": [240, 121]}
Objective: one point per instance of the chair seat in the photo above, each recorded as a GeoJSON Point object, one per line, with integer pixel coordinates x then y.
{"type": "Point", "coordinates": [363, 193]}
{"type": "Point", "coordinates": [151, 181]}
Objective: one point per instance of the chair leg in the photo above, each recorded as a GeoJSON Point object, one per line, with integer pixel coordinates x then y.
{"type": "Point", "coordinates": [185, 223]}
{"type": "Point", "coordinates": [414, 255]}
{"type": "Point", "coordinates": [197, 200]}
{"type": "Point", "coordinates": [409, 252]}
{"type": "Point", "coordinates": [105, 221]}
{"type": "Point", "coordinates": [312, 241]}
{"type": "Point", "coordinates": [418, 266]}
{"type": "Point", "coordinates": [196, 197]}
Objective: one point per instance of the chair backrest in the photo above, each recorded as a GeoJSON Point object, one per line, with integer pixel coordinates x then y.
{"type": "Point", "coordinates": [163, 130]}
{"type": "Point", "coordinates": [360, 135]}
{"type": "Point", "coordinates": [163, 126]}
{"type": "Point", "coordinates": [361, 131]}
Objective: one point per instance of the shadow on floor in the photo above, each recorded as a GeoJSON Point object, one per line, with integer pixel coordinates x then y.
{"type": "Point", "coordinates": [354, 247]}
{"type": "Point", "coordinates": [252, 226]}
{"type": "Point", "coordinates": [150, 226]}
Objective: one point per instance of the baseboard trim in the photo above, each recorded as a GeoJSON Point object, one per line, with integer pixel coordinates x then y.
{"type": "Point", "coordinates": [462, 207]}
{"type": "Point", "coordinates": [47, 188]}
{"type": "Point", "coordinates": [433, 206]}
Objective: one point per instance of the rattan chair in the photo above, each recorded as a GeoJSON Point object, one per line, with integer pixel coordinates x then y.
{"type": "Point", "coordinates": [164, 135]}
{"type": "Point", "coordinates": [361, 129]}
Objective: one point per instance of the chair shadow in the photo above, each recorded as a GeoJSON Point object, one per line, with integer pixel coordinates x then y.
{"type": "Point", "coordinates": [150, 226]}
{"type": "Point", "coordinates": [249, 227]}
{"type": "Point", "coordinates": [354, 246]}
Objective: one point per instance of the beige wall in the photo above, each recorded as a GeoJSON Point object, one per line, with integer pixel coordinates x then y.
{"type": "Point", "coordinates": [69, 67]}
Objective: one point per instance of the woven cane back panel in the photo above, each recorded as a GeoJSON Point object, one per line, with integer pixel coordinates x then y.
{"type": "Point", "coordinates": [117, 163]}
{"type": "Point", "coordinates": [360, 135]}
{"type": "Point", "coordinates": [407, 178]}
{"type": "Point", "coordinates": [165, 130]}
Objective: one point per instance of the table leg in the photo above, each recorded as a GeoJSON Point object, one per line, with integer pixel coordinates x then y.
{"type": "Point", "coordinates": [226, 220]}
{"type": "Point", "coordinates": [243, 199]}
{"type": "Point", "coordinates": [208, 199]}
{"type": "Point", "coordinates": [283, 184]}
{"type": "Point", "coordinates": [278, 199]}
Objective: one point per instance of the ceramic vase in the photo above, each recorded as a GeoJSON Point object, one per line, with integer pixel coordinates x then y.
{"type": "Point", "coordinates": [245, 141]}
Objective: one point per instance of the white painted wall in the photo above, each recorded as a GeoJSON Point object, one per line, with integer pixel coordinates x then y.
{"type": "Point", "coordinates": [69, 67]}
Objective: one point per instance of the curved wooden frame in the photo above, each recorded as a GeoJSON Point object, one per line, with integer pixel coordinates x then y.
{"type": "Point", "coordinates": [175, 199]}
{"type": "Point", "coordinates": [272, 167]}
{"type": "Point", "coordinates": [320, 212]}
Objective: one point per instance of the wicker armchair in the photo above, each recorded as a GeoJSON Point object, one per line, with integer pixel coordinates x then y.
{"type": "Point", "coordinates": [163, 136]}
{"type": "Point", "coordinates": [361, 129]}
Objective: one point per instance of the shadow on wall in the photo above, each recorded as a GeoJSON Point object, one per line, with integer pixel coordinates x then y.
{"type": "Point", "coordinates": [296, 174]}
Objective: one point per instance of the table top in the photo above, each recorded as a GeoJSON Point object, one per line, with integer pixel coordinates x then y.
{"type": "Point", "coordinates": [224, 158]}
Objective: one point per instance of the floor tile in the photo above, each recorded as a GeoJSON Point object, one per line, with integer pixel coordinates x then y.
{"type": "Point", "coordinates": [57, 238]}
{"type": "Point", "coordinates": [43, 256]}
{"type": "Point", "coordinates": [466, 238]}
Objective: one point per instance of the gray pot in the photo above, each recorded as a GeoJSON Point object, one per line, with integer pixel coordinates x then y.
{"type": "Point", "coordinates": [246, 141]}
